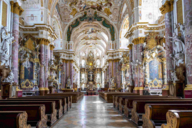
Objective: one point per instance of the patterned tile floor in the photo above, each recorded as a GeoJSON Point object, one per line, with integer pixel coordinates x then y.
{"type": "Point", "coordinates": [93, 112]}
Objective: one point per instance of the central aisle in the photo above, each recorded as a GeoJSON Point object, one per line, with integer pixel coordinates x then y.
{"type": "Point", "coordinates": [92, 112]}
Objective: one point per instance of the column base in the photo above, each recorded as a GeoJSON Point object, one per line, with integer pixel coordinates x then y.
{"type": "Point", "coordinates": [138, 90]}
{"type": "Point", "coordinates": [188, 91]}
{"type": "Point", "coordinates": [51, 90]}
{"type": "Point", "coordinates": [46, 91]}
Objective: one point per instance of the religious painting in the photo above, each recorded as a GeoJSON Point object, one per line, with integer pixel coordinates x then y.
{"type": "Point", "coordinates": [153, 71]}
{"type": "Point", "coordinates": [156, 69]}
{"type": "Point", "coordinates": [29, 72]}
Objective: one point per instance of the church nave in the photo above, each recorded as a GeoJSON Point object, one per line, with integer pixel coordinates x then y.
{"type": "Point", "coordinates": [93, 112]}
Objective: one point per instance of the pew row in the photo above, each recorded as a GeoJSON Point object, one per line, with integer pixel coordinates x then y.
{"type": "Point", "coordinates": [50, 110]}
{"type": "Point", "coordinates": [75, 95]}
{"type": "Point", "coordinates": [66, 100]}
{"type": "Point", "coordinates": [119, 100]}
{"type": "Point", "coordinates": [127, 105]}
{"type": "Point", "coordinates": [178, 119]}
{"type": "Point", "coordinates": [36, 113]}
{"type": "Point", "coordinates": [58, 104]}
{"type": "Point", "coordinates": [13, 119]}
{"type": "Point", "coordinates": [155, 114]}
{"type": "Point", "coordinates": [139, 107]}
{"type": "Point", "coordinates": [108, 96]}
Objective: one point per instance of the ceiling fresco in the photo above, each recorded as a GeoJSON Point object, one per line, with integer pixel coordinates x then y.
{"type": "Point", "coordinates": [70, 8]}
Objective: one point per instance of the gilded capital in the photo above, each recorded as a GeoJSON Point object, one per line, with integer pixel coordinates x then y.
{"type": "Point", "coordinates": [63, 60]}
{"type": "Point", "coordinates": [15, 8]}
{"type": "Point", "coordinates": [52, 47]}
{"type": "Point", "coordinates": [130, 46]}
{"type": "Point", "coordinates": [139, 40]}
{"type": "Point", "coordinates": [167, 7]}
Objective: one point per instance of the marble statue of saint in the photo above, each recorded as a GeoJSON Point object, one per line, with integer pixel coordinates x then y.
{"type": "Point", "coordinates": [179, 49]}
{"type": "Point", "coordinates": [178, 44]}
{"type": "Point", "coordinates": [13, 90]}
{"type": "Point", "coordinates": [112, 83]}
{"type": "Point", "coordinates": [9, 79]}
{"type": "Point", "coordinates": [69, 82]}
{"type": "Point", "coordinates": [4, 46]}
{"type": "Point", "coordinates": [173, 76]}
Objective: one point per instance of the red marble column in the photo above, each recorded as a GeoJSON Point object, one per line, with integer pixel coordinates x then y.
{"type": "Point", "coordinates": [167, 10]}
{"type": "Point", "coordinates": [141, 71]}
{"type": "Point", "coordinates": [110, 71]}
{"type": "Point", "coordinates": [135, 68]}
{"type": "Point", "coordinates": [130, 66]}
{"type": "Point", "coordinates": [46, 65]}
{"type": "Point", "coordinates": [63, 81]}
{"type": "Point", "coordinates": [114, 75]}
{"type": "Point", "coordinates": [17, 11]}
{"type": "Point", "coordinates": [72, 72]}
{"type": "Point", "coordinates": [51, 55]}
{"type": "Point", "coordinates": [42, 70]}
{"type": "Point", "coordinates": [188, 46]}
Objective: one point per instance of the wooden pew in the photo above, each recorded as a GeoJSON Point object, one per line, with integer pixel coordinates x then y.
{"type": "Point", "coordinates": [13, 119]}
{"type": "Point", "coordinates": [66, 100]}
{"type": "Point", "coordinates": [36, 113]}
{"type": "Point", "coordinates": [119, 100]}
{"type": "Point", "coordinates": [50, 110]}
{"type": "Point", "coordinates": [178, 119]}
{"type": "Point", "coordinates": [101, 94]}
{"type": "Point", "coordinates": [108, 96]}
{"type": "Point", "coordinates": [155, 114]}
{"type": "Point", "coordinates": [58, 103]}
{"type": "Point", "coordinates": [127, 105]}
{"type": "Point", "coordinates": [139, 107]}
{"type": "Point", "coordinates": [75, 95]}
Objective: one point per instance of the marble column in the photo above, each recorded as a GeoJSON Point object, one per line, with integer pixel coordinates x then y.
{"type": "Point", "coordinates": [110, 71]}
{"type": "Point", "coordinates": [188, 46]}
{"type": "Point", "coordinates": [16, 11]}
{"type": "Point", "coordinates": [72, 71]}
{"type": "Point", "coordinates": [63, 81]}
{"type": "Point", "coordinates": [141, 71]}
{"type": "Point", "coordinates": [113, 69]}
{"type": "Point", "coordinates": [135, 73]}
{"type": "Point", "coordinates": [51, 55]}
{"type": "Point", "coordinates": [51, 51]}
{"type": "Point", "coordinates": [130, 66]}
{"type": "Point", "coordinates": [167, 10]}
{"type": "Point", "coordinates": [46, 42]}
{"type": "Point", "coordinates": [42, 71]}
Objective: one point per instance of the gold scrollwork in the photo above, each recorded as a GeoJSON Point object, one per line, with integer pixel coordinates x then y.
{"type": "Point", "coordinates": [27, 84]}
{"type": "Point", "coordinates": [158, 83]}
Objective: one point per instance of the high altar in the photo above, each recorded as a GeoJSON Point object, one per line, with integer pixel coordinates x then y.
{"type": "Point", "coordinates": [90, 75]}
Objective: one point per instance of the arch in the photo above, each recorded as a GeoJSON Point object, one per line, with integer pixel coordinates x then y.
{"type": "Point", "coordinates": [123, 29]}
{"type": "Point", "coordinates": [104, 21]}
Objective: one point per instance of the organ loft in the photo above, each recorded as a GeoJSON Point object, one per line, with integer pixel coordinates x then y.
{"type": "Point", "coordinates": [95, 63]}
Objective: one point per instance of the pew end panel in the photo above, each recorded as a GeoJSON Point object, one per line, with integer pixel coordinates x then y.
{"type": "Point", "coordinates": [178, 119]}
